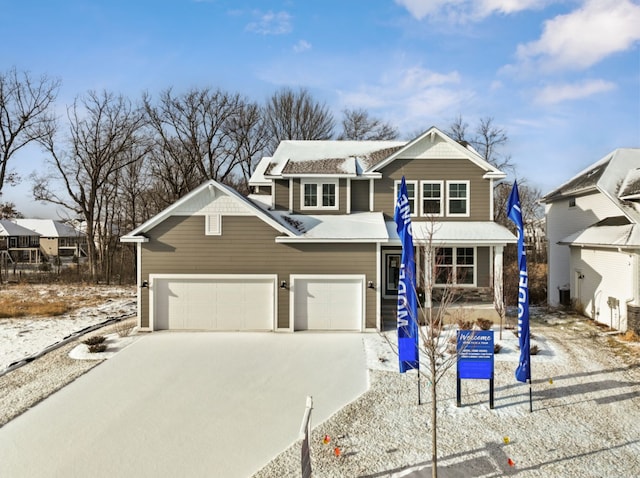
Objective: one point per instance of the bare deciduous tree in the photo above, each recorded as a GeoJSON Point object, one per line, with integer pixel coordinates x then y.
{"type": "Point", "coordinates": [103, 132]}
{"type": "Point", "coordinates": [487, 140]}
{"type": "Point", "coordinates": [25, 116]}
{"type": "Point", "coordinates": [435, 335]}
{"type": "Point", "coordinates": [359, 125]}
{"type": "Point", "coordinates": [293, 114]}
{"type": "Point", "coordinates": [199, 135]}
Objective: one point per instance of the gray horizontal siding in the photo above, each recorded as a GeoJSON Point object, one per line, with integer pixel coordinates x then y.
{"type": "Point", "coordinates": [359, 196]}
{"type": "Point", "coordinates": [247, 246]}
{"type": "Point", "coordinates": [436, 170]}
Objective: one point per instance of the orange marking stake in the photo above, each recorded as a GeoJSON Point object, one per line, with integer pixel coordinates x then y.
{"type": "Point", "coordinates": [511, 462]}
{"type": "Point", "coordinates": [326, 439]}
{"type": "Point", "coordinates": [336, 451]}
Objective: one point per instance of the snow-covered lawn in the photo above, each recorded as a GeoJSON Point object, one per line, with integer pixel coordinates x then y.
{"type": "Point", "coordinates": [25, 336]}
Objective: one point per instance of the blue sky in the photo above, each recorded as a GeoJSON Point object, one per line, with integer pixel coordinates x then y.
{"type": "Point", "coordinates": [562, 78]}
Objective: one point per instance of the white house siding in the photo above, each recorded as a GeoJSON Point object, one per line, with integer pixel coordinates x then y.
{"type": "Point", "coordinates": [598, 275]}
{"type": "Point", "coordinates": [562, 221]}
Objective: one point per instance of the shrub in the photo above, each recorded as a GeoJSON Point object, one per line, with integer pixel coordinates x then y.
{"type": "Point", "coordinates": [497, 348]}
{"type": "Point", "coordinates": [534, 350]}
{"type": "Point", "coordinates": [124, 328]}
{"type": "Point", "coordinates": [464, 324]}
{"type": "Point", "coordinates": [95, 340]}
{"type": "Point", "coordinates": [95, 348]}
{"type": "Point", "coordinates": [484, 324]}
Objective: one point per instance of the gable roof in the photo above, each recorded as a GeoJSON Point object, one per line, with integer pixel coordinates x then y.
{"type": "Point", "coordinates": [431, 136]}
{"type": "Point", "coordinates": [209, 188]}
{"type": "Point", "coordinates": [357, 158]}
{"type": "Point", "coordinates": [616, 175]}
{"type": "Point", "coordinates": [10, 228]}
{"type": "Point", "coordinates": [48, 227]}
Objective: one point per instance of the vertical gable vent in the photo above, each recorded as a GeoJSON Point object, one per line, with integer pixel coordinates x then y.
{"type": "Point", "coordinates": [213, 225]}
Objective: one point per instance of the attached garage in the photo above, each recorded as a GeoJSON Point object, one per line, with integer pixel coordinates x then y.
{"type": "Point", "coordinates": [327, 302]}
{"type": "Point", "coordinates": [212, 302]}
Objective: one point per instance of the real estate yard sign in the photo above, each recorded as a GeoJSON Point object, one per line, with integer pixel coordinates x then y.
{"type": "Point", "coordinates": [475, 359]}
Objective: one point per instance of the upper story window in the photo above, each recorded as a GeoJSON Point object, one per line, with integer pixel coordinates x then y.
{"type": "Point", "coordinates": [412, 187]}
{"type": "Point", "coordinates": [319, 194]}
{"type": "Point", "coordinates": [572, 202]}
{"type": "Point", "coordinates": [457, 198]}
{"type": "Point", "coordinates": [432, 200]}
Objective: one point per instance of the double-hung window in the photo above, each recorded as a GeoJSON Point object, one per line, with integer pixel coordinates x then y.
{"type": "Point", "coordinates": [457, 198]}
{"type": "Point", "coordinates": [319, 194]}
{"type": "Point", "coordinates": [412, 188]}
{"type": "Point", "coordinates": [455, 266]}
{"type": "Point", "coordinates": [432, 200]}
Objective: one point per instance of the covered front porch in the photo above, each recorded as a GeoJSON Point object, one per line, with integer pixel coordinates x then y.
{"type": "Point", "coordinates": [465, 258]}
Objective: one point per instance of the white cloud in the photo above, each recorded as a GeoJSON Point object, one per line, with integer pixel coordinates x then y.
{"type": "Point", "coordinates": [412, 95]}
{"type": "Point", "coordinates": [301, 46]}
{"type": "Point", "coordinates": [564, 92]}
{"type": "Point", "coordinates": [270, 23]}
{"type": "Point", "coordinates": [460, 11]}
{"type": "Point", "coordinates": [585, 36]}
{"type": "Point", "coordinates": [419, 9]}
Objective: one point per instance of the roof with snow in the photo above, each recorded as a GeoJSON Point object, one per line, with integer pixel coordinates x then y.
{"type": "Point", "coordinates": [48, 227]}
{"type": "Point", "coordinates": [359, 158]}
{"type": "Point", "coordinates": [617, 176]}
{"type": "Point", "coordinates": [357, 227]}
{"type": "Point", "coordinates": [456, 232]}
{"type": "Point", "coordinates": [611, 232]}
{"type": "Point", "coordinates": [346, 158]}
{"type": "Point", "coordinates": [9, 228]}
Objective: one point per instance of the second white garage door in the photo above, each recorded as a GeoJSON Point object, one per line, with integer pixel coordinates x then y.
{"type": "Point", "coordinates": [214, 303]}
{"type": "Point", "coordinates": [327, 302]}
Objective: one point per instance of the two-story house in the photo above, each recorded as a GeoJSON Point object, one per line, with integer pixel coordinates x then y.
{"type": "Point", "coordinates": [315, 248]}
{"type": "Point", "coordinates": [57, 239]}
{"type": "Point", "coordinates": [593, 235]}
{"type": "Point", "coordinates": [18, 244]}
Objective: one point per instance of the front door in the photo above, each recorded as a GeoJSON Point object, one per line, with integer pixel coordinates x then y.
{"type": "Point", "coordinates": [391, 274]}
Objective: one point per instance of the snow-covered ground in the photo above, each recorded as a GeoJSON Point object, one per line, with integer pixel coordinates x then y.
{"type": "Point", "coordinates": [586, 398]}
{"type": "Point", "coordinates": [586, 407]}
{"type": "Point", "coordinates": [25, 336]}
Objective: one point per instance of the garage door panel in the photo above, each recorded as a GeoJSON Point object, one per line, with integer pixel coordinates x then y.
{"type": "Point", "coordinates": [328, 303]}
{"type": "Point", "coordinates": [241, 303]}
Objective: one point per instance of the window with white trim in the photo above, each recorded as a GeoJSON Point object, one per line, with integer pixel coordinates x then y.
{"type": "Point", "coordinates": [412, 187]}
{"type": "Point", "coordinates": [457, 198]}
{"type": "Point", "coordinates": [431, 198]}
{"type": "Point", "coordinates": [455, 266]}
{"type": "Point", "coordinates": [319, 194]}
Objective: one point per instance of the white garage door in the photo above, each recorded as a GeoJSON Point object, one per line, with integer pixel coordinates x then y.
{"type": "Point", "coordinates": [327, 303]}
{"type": "Point", "coordinates": [214, 303]}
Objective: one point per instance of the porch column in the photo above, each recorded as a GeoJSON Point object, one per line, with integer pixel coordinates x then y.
{"type": "Point", "coordinates": [428, 275]}
{"type": "Point", "coordinates": [498, 279]}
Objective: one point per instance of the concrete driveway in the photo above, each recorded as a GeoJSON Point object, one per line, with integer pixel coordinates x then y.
{"type": "Point", "coordinates": [186, 404]}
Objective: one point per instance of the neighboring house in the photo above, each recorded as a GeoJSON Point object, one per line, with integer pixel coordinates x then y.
{"type": "Point", "coordinates": [535, 240]}
{"type": "Point", "coordinates": [56, 238]}
{"type": "Point", "coordinates": [593, 236]}
{"type": "Point", "coordinates": [18, 244]}
{"type": "Point", "coordinates": [317, 248]}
